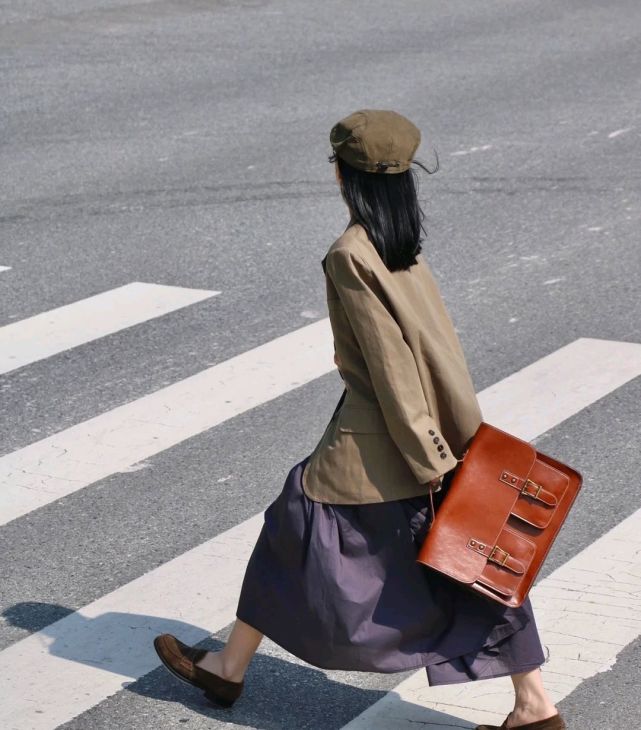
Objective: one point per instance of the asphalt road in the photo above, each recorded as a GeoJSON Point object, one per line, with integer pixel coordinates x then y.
{"type": "Point", "coordinates": [185, 143]}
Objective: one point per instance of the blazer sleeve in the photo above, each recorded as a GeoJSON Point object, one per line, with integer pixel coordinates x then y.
{"type": "Point", "coordinates": [391, 366]}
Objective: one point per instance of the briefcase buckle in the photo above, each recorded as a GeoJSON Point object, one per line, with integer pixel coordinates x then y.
{"type": "Point", "coordinates": [495, 560]}
{"type": "Point", "coordinates": [529, 494]}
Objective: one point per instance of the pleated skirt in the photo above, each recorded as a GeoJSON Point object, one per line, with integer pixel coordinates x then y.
{"type": "Point", "coordinates": [339, 587]}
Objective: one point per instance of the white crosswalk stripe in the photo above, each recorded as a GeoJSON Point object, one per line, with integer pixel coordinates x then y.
{"type": "Point", "coordinates": [50, 333]}
{"type": "Point", "coordinates": [546, 392]}
{"type": "Point", "coordinates": [586, 611]}
{"type": "Point", "coordinates": [114, 441]}
{"type": "Point", "coordinates": [73, 664]}
{"type": "Point", "coordinates": [66, 462]}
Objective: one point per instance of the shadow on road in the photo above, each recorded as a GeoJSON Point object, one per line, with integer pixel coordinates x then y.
{"type": "Point", "coordinates": [275, 690]}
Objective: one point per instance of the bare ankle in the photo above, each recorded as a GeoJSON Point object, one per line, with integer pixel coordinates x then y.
{"type": "Point", "coordinates": [531, 702]}
{"type": "Point", "coordinates": [217, 663]}
{"type": "Point", "coordinates": [231, 671]}
{"type": "Point", "coordinates": [531, 711]}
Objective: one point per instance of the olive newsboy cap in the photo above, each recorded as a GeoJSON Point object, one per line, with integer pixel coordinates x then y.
{"type": "Point", "coordinates": [376, 140]}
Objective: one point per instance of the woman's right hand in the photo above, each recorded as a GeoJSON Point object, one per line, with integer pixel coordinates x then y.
{"type": "Point", "coordinates": [434, 485]}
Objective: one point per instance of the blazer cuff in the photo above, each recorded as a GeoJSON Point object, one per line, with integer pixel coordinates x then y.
{"type": "Point", "coordinates": [436, 467]}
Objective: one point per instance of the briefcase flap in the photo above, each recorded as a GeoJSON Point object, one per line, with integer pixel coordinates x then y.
{"type": "Point", "coordinates": [493, 451]}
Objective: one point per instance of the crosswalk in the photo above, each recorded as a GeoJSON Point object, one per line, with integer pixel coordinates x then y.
{"type": "Point", "coordinates": [72, 665]}
{"type": "Point", "coordinates": [114, 441]}
{"type": "Point", "coordinates": [75, 324]}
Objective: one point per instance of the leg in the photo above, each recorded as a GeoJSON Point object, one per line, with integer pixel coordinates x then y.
{"type": "Point", "coordinates": [231, 662]}
{"type": "Point", "coordinates": [531, 701]}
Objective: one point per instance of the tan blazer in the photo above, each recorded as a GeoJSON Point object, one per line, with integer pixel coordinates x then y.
{"type": "Point", "coordinates": [409, 408]}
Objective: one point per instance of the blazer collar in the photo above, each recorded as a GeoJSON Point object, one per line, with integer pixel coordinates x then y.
{"type": "Point", "coordinates": [352, 221]}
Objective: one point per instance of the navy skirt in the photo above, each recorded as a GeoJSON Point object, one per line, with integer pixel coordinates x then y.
{"type": "Point", "coordinates": [339, 587]}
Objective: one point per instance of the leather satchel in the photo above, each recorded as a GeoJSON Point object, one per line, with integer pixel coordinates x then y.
{"type": "Point", "coordinates": [499, 516]}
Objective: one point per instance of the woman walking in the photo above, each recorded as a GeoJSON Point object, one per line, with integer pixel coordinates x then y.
{"type": "Point", "coordinates": [333, 577]}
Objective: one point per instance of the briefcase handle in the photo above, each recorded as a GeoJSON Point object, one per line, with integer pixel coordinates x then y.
{"type": "Point", "coordinates": [459, 461]}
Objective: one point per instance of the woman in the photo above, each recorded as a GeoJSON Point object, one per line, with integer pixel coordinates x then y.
{"type": "Point", "coordinates": [333, 577]}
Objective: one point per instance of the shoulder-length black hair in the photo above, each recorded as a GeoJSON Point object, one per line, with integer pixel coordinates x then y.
{"type": "Point", "coordinates": [387, 207]}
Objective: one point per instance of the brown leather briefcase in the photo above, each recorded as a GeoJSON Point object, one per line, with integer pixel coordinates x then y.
{"type": "Point", "coordinates": [499, 515]}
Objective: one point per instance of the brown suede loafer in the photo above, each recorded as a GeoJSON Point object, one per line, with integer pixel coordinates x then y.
{"type": "Point", "coordinates": [180, 659]}
{"type": "Point", "coordinates": [555, 722]}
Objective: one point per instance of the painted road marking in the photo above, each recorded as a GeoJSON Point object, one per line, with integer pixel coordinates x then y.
{"type": "Point", "coordinates": [116, 440]}
{"type": "Point", "coordinates": [5, 268]}
{"type": "Point", "coordinates": [619, 132]}
{"type": "Point", "coordinates": [559, 385]}
{"type": "Point", "coordinates": [75, 663]}
{"type": "Point", "coordinates": [587, 611]}
{"type": "Point", "coordinates": [50, 333]}
{"type": "Point", "coordinates": [548, 391]}
{"type": "Point", "coordinates": [479, 148]}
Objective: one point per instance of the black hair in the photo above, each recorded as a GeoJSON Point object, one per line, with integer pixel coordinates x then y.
{"type": "Point", "coordinates": [387, 207]}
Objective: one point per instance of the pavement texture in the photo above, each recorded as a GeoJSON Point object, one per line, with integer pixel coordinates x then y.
{"type": "Point", "coordinates": [185, 143]}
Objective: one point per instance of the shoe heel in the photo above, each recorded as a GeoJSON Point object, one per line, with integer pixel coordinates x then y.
{"type": "Point", "coordinates": [218, 700]}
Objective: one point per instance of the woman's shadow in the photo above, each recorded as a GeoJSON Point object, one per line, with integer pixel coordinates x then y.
{"type": "Point", "coordinates": [278, 694]}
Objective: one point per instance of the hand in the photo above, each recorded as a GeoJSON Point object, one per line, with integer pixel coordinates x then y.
{"type": "Point", "coordinates": [434, 485]}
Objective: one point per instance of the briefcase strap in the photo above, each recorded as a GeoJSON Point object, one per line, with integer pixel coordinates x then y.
{"type": "Point", "coordinates": [528, 488]}
{"type": "Point", "coordinates": [496, 554]}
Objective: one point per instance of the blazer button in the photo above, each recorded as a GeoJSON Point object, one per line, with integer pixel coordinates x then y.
{"type": "Point", "coordinates": [431, 432]}
{"type": "Point", "coordinates": [439, 447]}
{"type": "Point", "coordinates": [436, 439]}
{"type": "Point", "coordinates": [443, 455]}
